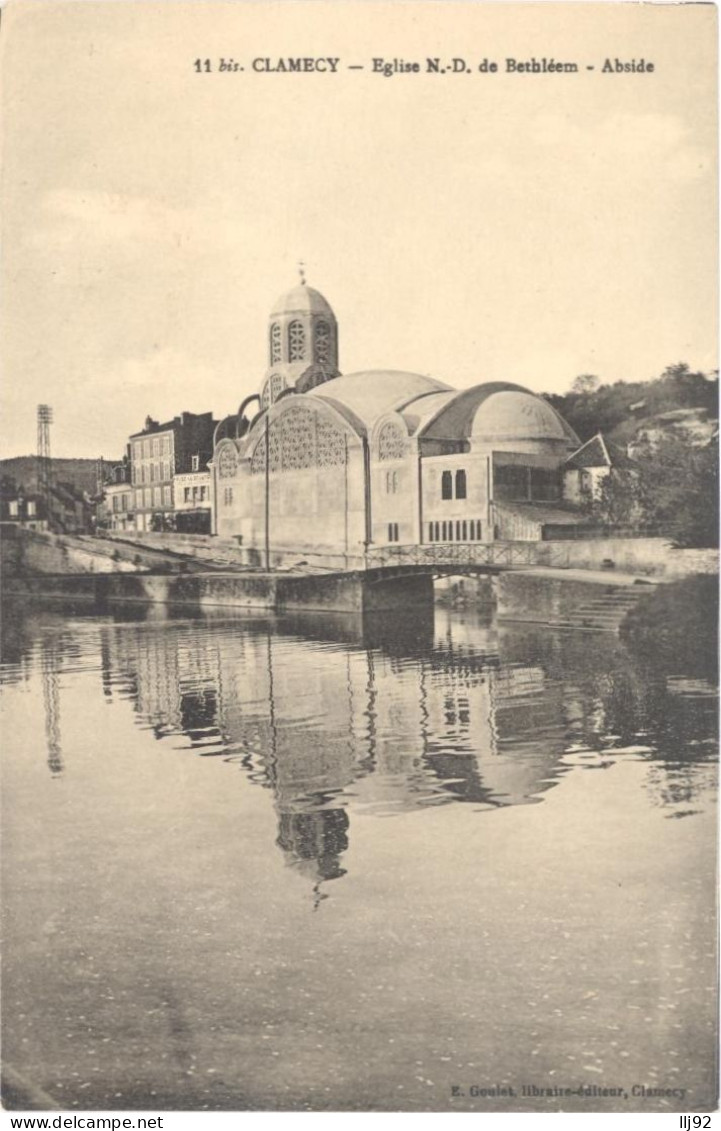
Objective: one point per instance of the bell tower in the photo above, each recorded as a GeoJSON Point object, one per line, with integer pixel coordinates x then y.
{"type": "Point", "coordinates": [302, 343]}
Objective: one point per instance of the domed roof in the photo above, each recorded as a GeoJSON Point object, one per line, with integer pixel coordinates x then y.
{"type": "Point", "coordinates": [302, 300]}
{"type": "Point", "coordinates": [372, 393]}
{"type": "Point", "coordinates": [498, 410]}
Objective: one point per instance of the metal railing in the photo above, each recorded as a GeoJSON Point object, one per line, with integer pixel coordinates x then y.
{"type": "Point", "coordinates": [465, 555]}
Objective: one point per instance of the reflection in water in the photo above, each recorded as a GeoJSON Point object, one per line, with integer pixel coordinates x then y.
{"type": "Point", "coordinates": [393, 714]}
{"type": "Point", "coordinates": [469, 810]}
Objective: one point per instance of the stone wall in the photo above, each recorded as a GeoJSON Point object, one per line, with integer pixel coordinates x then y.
{"type": "Point", "coordinates": [653, 557]}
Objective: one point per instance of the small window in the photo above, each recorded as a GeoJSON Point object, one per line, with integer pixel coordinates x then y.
{"type": "Point", "coordinates": [13, 509]}
{"type": "Point", "coordinates": [463, 531]}
{"type": "Point", "coordinates": [195, 463]}
{"type": "Point", "coordinates": [430, 532]}
{"type": "Point", "coordinates": [437, 531]}
{"type": "Point", "coordinates": [458, 530]}
{"type": "Point", "coordinates": [478, 529]}
{"type": "Point", "coordinates": [447, 485]}
{"type": "Point", "coordinates": [460, 484]}
{"type": "Point", "coordinates": [450, 531]}
{"type": "Point", "coordinates": [392, 531]}
{"type": "Point", "coordinates": [444, 532]}
{"type": "Point", "coordinates": [228, 496]}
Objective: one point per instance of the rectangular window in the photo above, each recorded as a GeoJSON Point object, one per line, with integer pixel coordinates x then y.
{"type": "Point", "coordinates": [195, 463]}
{"type": "Point", "coordinates": [146, 449]}
{"type": "Point", "coordinates": [478, 529]}
{"type": "Point", "coordinates": [13, 509]}
{"type": "Point", "coordinates": [450, 531]}
{"type": "Point", "coordinates": [195, 494]}
{"type": "Point", "coordinates": [460, 484]}
{"type": "Point", "coordinates": [148, 498]}
{"type": "Point", "coordinates": [167, 496]}
{"type": "Point", "coordinates": [511, 482]}
{"type": "Point", "coordinates": [545, 484]}
{"type": "Point", "coordinates": [152, 473]}
{"type": "Point", "coordinates": [157, 497]}
{"type": "Point", "coordinates": [447, 485]}
{"type": "Point", "coordinates": [156, 446]}
{"type": "Point", "coordinates": [392, 531]}
{"type": "Point", "coordinates": [186, 495]}
{"type": "Point", "coordinates": [228, 496]}
{"type": "Point", "coordinates": [31, 509]}
{"type": "Point", "coordinates": [458, 530]}
{"type": "Point", "coordinates": [437, 531]}
{"type": "Point", "coordinates": [463, 531]}
{"type": "Point", "coordinates": [138, 498]}
{"type": "Point", "coordinates": [116, 500]}
{"type": "Point", "coordinates": [430, 531]}
{"type": "Point", "coordinates": [202, 494]}
{"type": "Point", "coordinates": [445, 532]}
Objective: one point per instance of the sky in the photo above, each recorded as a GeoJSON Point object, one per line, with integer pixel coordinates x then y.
{"type": "Point", "coordinates": [474, 226]}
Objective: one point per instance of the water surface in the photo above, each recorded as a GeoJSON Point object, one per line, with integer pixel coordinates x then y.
{"type": "Point", "coordinates": [289, 864]}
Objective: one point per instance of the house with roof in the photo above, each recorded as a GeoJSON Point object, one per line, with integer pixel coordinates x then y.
{"type": "Point", "coordinates": [586, 470]}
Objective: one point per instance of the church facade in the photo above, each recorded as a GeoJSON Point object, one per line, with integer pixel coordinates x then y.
{"type": "Point", "coordinates": [321, 463]}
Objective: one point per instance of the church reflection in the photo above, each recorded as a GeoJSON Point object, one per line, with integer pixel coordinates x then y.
{"type": "Point", "coordinates": [392, 715]}
{"type": "Point", "coordinates": [336, 718]}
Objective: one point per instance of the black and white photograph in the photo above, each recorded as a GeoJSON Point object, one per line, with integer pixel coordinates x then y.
{"type": "Point", "coordinates": [359, 544]}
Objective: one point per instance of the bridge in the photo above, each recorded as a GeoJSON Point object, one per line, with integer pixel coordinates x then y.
{"type": "Point", "coordinates": [467, 557]}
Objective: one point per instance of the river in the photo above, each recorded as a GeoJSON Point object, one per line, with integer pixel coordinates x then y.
{"type": "Point", "coordinates": [434, 864]}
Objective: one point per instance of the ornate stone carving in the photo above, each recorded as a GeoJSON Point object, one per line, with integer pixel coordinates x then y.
{"type": "Point", "coordinates": [296, 341]}
{"type": "Point", "coordinates": [392, 444]}
{"type": "Point", "coordinates": [276, 349]}
{"type": "Point", "coordinates": [228, 463]}
{"type": "Point", "coordinates": [298, 439]}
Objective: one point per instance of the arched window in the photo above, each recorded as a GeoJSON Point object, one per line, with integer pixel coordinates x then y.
{"type": "Point", "coordinates": [460, 484]}
{"type": "Point", "coordinates": [447, 485]}
{"type": "Point", "coordinates": [276, 350]}
{"type": "Point", "coordinates": [296, 341]}
{"type": "Point", "coordinates": [322, 343]}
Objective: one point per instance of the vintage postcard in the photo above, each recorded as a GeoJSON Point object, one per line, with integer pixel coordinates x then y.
{"type": "Point", "coordinates": [358, 502]}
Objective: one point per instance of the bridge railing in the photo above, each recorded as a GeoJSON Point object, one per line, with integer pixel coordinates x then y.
{"type": "Point", "coordinates": [464, 555]}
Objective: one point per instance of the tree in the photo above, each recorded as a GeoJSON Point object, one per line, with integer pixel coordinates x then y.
{"type": "Point", "coordinates": [673, 487]}
{"type": "Point", "coordinates": [585, 383]}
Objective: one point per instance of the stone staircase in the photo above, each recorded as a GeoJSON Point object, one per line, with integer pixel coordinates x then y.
{"type": "Point", "coordinates": [606, 611]}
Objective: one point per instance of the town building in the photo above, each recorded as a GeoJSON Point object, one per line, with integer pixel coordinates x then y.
{"type": "Point", "coordinates": [158, 453]}
{"type": "Point", "coordinates": [116, 506]}
{"type": "Point", "coordinates": [192, 498]}
{"type": "Point", "coordinates": [336, 465]}
{"type": "Point", "coordinates": [588, 469]}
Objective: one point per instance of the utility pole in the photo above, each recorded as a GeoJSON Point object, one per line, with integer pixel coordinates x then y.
{"type": "Point", "coordinates": [44, 464]}
{"type": "Point", "coordinates": [267, 491]}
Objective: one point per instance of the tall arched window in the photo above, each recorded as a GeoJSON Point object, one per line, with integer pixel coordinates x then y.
{"type": "Point", "coordinates": [275, 344]}
{"type": "Point", "coordinates": [447, 485]}
{"type": "Point", "coordinates": [296, 341]}
{"type": "Point", "coordinates": [460, 484]}
{"type": "Point", "coordinates": [322, 343]}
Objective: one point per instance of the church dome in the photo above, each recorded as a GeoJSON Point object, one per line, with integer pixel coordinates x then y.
{"type": "Point", "coordinates": [513, 413]}
{"type": "Point", "coordinates": [498, 411]}
{"type": "Point", "coordinates": [301, 300]}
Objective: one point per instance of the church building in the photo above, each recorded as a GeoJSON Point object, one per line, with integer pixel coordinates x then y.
{"type": "Point", "coordinates": [336, 464]}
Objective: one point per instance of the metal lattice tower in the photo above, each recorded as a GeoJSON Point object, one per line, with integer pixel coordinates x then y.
{"type": "Point", "coordinates": [44, 465]}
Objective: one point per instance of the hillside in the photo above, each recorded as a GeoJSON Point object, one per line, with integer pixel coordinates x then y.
{"type": "Point", "coordinates": [679, 402]}
{"type": "Point", "coordinates": [81, 472]}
